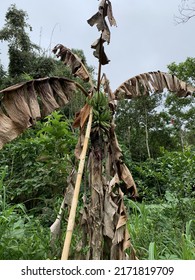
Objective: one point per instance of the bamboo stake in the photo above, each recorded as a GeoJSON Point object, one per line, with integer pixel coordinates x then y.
{"type": "Point", "coordinates": [71, 219]}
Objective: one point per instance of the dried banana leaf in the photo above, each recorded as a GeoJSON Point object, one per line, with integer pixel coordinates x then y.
{"type": "Point", "coordinates": [152, 82]}
{"type": "Point", "coordinates": [73, 61]}
{"type": "Point", "coordinates": [25, 103]}
{"type": "Point", "coordinates": [99, 19]}
{"type": "Point", "coordinates": [82, 116]}
{"type": "Point", "coordinates": [105, 10]}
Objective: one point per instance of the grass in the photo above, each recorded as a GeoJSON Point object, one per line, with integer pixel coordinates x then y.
{"type": "Point", "coordinates": [159, 232]}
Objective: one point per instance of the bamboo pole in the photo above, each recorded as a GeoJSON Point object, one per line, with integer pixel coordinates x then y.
{"type": "Point", "coordinates": [71, 219]}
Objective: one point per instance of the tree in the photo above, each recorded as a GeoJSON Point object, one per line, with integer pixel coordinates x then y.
{"type": "Point", "coordinates": [20, 46]}
{"type": "Point", "coordinates": [146, 132]}
{"type": "Point", "coordinates": [186, 11]}
{"type": "Point", "coordinates": [2, 75]}
{"type": "Point", "coordinates": [104, 217]}
{"type": "Point", "coordinates": [181, 111]}
{"type": "Point", "coordinates": [25, 59]}
{"type": "Point", "coordinates": [184, 70]}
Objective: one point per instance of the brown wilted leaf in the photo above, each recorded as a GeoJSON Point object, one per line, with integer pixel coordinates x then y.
{"type": "Point", "coordinates": [152, 82]}
{"type": "Point", "coordinates": [73, 61]}
{"type": "Point", "coordinates": [110, 209]}
{"type": "Point", "coordinates": [125, 175]}
{"type": "Point", "coordinates": [113, 181]}
{"type": "Point", "coordinates": [25, 103]}
{"type": "Point", "coordinates": [99, 52]}
{"type": "Point", "coordinates": [111, 18]}
{"type": "Point", "coordinates": [8, 129]}
{"type": "Point", "coordinates": [114, 145]}
{"type": "Point", "coordinates": [121, 239]}
{"type": "Point", "coordinates": [99, 19]}
{"type": "Point", "coordinates": [31, 98]}
{"type": "Point", "coordinates": [105, 9]}
{"type": "Point", "coordinates": [82, 116]}
{"type": "Point", "coordinates": [106, 85]}
{"type": "Point", "coordinates": [16, 108]}
{"type": "Point", "coordinates": [45, 91]}
{"type": "Point", "coordinates": [58, 92]}
{"type": "Point", "coordinates": [119, 167]}
{"type": "Point", "coordinates": [127, 245]}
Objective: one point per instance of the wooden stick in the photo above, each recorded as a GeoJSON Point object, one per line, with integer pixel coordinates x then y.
{"type": "Point", "coordinates": [71, 220]}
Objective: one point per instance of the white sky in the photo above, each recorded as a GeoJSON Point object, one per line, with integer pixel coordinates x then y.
{"type": "Point", "coordinates": [146, 39]}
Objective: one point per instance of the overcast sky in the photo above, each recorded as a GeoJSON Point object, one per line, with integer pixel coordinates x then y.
{"type": "Point", "coordinates": [146, 39]}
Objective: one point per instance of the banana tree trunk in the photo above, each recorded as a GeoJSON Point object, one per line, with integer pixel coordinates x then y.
{"type": "Point", "coordinates": [96, 184]}
{"type": "Point", "coordinates": [104, 218]}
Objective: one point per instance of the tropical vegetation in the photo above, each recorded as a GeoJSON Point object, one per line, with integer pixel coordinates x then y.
{"type": "Point", "coordinates": [156, 136]}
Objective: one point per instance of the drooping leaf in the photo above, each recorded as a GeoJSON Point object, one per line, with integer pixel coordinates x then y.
{"type": "Point", "coordinates": [115, 222]}
{"type": "Point", "coordinates": [110, 209]}
{"type": "Point", "coordinates": [111, 18]}
{"type": "Point", "coordinates": [81, 116]}
{"type": "Point", "coordinates": [105, 9]}
{"type": "Point", "coordinates": [73, 61]}
{"type": "Point", "coordinates": [111, 98]}
{"type": "Point", "coordinates": [99, 19]}
{"type": "Point", "coordinates": [23, 104]}
{"type": "Point", "coordinates": [106, 85]}
{"type": "Point", "coordinates": [99, 52]}
{"type": "Point", "coordinates": [152, 82]}
{"type": "Point", "coordinates": [120, 168]}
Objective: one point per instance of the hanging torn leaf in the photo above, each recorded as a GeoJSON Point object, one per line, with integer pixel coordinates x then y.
{"type": "Point", "coordinates": [82, 116]}
{"type": "Point", "coordinates": [106, 85]}
{"type": "Point", "coordinates": [105, 9]}
{"type": "Point", "coordinates": [111, 18]}
{"type": "Point", "coordinates": [99, 19]}
{"type": "Point", "coordinates": [25, 103]}
{"type": "Point", "coordinates": [121, 238]}
{"type": "Point", "coordinates": [152, 82]}
{"type": "Point", "coordinates": [115, 222]}
{"type": "Point", "coordinates": [110, 208]}
{"type": "Point", "coordinates": [118, 167]}
{"type": "Point", "coordinates": [8, 129]}
{"type": "Point", "coordinates": [125, 175]}
{"type": "Point", "coordinates": [99, 52]}
{"type": "Point", "coordinates": [73, 61]}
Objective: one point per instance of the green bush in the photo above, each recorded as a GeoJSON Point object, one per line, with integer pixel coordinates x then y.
{"type": "Point", "coordinates": [173, 172]}
{"type": "Point", "coordinates": [39, 162]}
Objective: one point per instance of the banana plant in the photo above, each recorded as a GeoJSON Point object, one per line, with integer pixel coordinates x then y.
{"type": "Point", "coordinates": [104, 217]}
